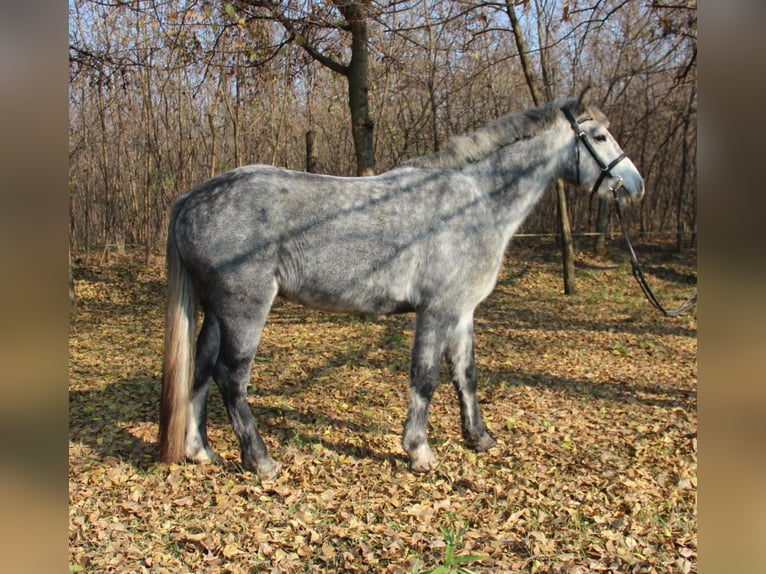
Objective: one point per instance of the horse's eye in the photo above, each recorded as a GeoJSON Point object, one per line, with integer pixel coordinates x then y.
{"type": "Point", "coordinates": [600, 138]}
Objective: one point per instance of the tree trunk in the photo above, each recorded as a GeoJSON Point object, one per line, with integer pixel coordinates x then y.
{"type": "Point", "coordinates": [567, 248]}
{"type": "Point", "coordinates": [233, 112]}
{"type": "Point", "coordinates": [110, 212]}
{"type": "Point", "coordinates": [311, 158]}
{"type": "Point", "coordinates": [521, 46]}
{"type": "Point", "coordinates": [355, 13]}
{"type": "Point", "coordinates": [147, 97]}
{"type": "Point", "coordinates": [567, 245]}
{"type": "Point", "coordinates": [599, 245]}
{"type": "Point", "coordinates": [431, 82]}
{"type": "Point", "coordinates": [213, 143]}
{"type": "Point", "coordinates": [71, 276]}
{"type": "Point", "coordinates": [362, 126]}
{"type": "Point", "coordinates": [147, 198]}
{"type": "Point", "coordinates": [684, 168]}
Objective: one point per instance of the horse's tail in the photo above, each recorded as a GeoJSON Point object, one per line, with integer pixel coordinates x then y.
{"type": "Point", "coordinates": [178, 364]}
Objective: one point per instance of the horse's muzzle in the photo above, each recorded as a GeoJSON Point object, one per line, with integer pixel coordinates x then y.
{"type": "Point", "coordinates": [627, 192]}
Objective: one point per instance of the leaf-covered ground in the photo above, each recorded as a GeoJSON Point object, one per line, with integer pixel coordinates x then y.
{"type": "Point", "coordinates": [592, 398]}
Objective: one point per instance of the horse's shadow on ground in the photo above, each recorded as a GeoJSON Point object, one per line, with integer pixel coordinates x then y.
{"type": "Point", "coordinates": [105, 421]}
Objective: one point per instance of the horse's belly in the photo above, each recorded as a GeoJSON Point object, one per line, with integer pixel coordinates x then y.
{"type": "Point", "coordinates": [359, 300]}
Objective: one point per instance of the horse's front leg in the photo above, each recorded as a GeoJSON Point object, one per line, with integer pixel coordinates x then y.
{"type": "Point", "coordinates": [427, 352]}
{"type": "Point", "coordinates": [462, 366]}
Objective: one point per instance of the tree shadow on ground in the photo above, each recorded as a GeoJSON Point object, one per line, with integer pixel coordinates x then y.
{"type": "Point", "coordinates": [626, 392]}
{"type": "Point", "coordinates": [100, 418]}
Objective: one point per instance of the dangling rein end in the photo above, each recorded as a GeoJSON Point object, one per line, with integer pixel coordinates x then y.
{"type": "Point", "coordinates": [638, 273]}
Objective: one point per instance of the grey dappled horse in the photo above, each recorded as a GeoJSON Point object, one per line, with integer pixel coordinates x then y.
{"type": "Point", "coordinates": [427, 237]}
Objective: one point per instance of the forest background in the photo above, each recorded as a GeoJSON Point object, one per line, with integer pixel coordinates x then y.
{"type": "Point", "coordinates": [165, 94]}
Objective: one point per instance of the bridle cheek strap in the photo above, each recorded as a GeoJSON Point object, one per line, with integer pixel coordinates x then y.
{"type": "Point", "coordinates": [606, 168]}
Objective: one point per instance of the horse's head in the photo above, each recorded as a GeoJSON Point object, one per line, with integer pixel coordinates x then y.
{"type": "Point", "coordinates": [599, 163]}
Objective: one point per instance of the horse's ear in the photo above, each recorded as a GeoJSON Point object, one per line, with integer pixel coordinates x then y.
{"type": "Point", "coordinates": [585, 106]}
{"type": "Point", "coordinates": [585, 97]}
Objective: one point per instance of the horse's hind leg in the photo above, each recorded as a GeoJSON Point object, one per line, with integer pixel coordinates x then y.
{"type": "Point", "coordinates": [241, 330]}
{"type": "Point", "coordinates": [460, 358]}
{"type": "Point", "coordinates": [208, 343]}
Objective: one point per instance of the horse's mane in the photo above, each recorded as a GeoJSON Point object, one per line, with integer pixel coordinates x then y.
{"type": "Point", "coordinates": [467, 149]}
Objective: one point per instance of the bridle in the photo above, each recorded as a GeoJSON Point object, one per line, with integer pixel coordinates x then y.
{"type": "Point", "coordinates": [606, 170]}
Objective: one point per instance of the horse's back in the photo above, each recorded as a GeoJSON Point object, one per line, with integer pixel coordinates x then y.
{"type": "Point", "coordinates": [258, 206]}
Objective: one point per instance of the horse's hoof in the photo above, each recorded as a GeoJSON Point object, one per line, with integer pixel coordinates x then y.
{"type": "Point", "coordinates": [483, 443]}
{"type": "Point", "coordinates": [269, 469]}
{"type": "Point", "coordinates": [423, 467]}
{"type": "Point", "coordinates": [204, 457]}
{"type": "Point", "coordinates": [422, 460]}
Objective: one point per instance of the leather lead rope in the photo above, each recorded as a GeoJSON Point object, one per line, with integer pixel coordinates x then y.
{"type": "Point", "coordinates": [638, 274]}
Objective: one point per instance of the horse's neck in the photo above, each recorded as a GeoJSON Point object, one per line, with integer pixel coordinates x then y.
{"type": "Point", "coordinates": [515, 177]}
